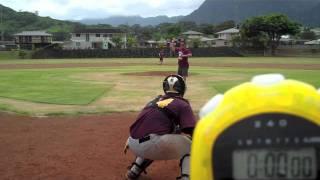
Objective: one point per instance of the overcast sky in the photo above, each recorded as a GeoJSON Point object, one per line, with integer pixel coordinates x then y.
{"type": "Point", "coordinates": [79, 9]}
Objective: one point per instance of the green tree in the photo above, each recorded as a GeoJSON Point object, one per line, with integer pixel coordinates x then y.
{"type": "Point", "coordinates": [206, 28]}
{"type": "Point", "coordinates": [100, 26]}
{"type": "Point", "coordinates": [174, 31]}
{"type": "Point", "coordinates": [224, 25]}
{"type": "Point", "coordinates": [146, 32]}
{"type": "Point", "coordinates": [118, 41]}
{"type": "Point", "coordinates": [259, 42]}
{"type": "Point", "coordinates": [195, 43]}
{"type": "Point", "coordinates": [78, 27]}
{"type": "Point", "coordinates": [273, 26]}
{"type": "Point", "coordinates": [157, 36]}
{"type": "Point", "coordinates": [60, 36]}
{"type": "Point", "coordinates": [187, 25]}
{"type": "Point", "coordinates": [132, 41]}
{"type": "Point", "coordinates": [22, 54]}
{"type": "Point", "coordinates": [307, 34]}
{"type": "Point", "coordinates": [125, 28]}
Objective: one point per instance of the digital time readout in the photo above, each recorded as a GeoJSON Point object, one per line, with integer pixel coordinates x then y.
{"type": "Point", "coordinates": [280, 163]}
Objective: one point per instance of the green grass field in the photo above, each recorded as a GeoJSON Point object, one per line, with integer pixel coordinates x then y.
{"type": "Point", "coordinates": [107, 88]}
{"type": "Point", "coordinates": [49, 86]}
{"type": "Point", "coordinates": [12, 55]}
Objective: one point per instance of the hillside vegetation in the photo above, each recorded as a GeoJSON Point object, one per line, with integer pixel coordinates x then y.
{"type": "Point", "coordinates": [14, 22]}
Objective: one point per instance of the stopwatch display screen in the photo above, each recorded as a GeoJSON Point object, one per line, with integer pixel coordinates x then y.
{"type": "Point", "coordinates": [272, 163]}
{"type": "Point", "coordinates": [271, 146]}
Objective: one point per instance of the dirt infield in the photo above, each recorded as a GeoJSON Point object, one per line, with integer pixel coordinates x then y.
{"type": "Point", "coordinates": [70, 148]}
{"type": "Point", "coordinates": [151, 73]}
{"type": "Point", "coordinates": [218, 65]}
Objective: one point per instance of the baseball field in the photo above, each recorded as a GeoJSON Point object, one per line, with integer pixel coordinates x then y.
{"type": "Point", "coordinates": [69, 119]}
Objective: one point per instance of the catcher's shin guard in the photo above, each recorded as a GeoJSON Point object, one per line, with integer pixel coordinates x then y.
{"type": "Point", "coordinates": [138, 166]}
{"type": "Point", "coordinates": [184, 167]}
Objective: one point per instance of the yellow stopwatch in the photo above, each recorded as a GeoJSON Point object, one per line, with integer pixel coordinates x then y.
{"type": "Point", "coordinates": [266, 129]}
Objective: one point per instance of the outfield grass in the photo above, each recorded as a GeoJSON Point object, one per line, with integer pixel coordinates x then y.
{"type": "Point", "coordinates": [110, 89]}
{"type": "Point", "coordinates": [308, 76]}
{"type": "Point", "coordinates": [13, 55]}
{"type": "Point", "coordinates": [8, 55]}
{"type": "Point", "coordinates": [49, 86]}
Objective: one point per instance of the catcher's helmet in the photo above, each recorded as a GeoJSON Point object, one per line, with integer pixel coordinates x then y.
{"type": "Point", "coordinates": [174, 84]}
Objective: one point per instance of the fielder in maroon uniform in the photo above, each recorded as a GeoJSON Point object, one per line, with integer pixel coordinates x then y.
{"type": "Point", "coordinates": [161, 56]}
{"type": "Point", "coordinates": [183, 63]}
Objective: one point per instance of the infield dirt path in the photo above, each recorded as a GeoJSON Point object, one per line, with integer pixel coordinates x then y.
{"type": "Point", "coordinates": [70, 148]}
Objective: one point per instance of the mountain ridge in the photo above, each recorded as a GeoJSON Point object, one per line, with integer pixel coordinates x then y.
{"type": "Point", "coordinates": [131, 20]}
{"type": "Point", "coordinates": [305, 12]}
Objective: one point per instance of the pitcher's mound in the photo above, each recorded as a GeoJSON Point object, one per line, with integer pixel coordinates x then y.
{"type": "Point", "coordinates": [151, 73]}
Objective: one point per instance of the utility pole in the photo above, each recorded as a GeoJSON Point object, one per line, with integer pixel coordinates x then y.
{"type": "Point", "coordinates": [1, 17]}
{"type": "Point", "coordinates": [125, 40]}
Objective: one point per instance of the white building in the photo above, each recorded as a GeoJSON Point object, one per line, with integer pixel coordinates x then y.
{"type": "Point", "coordinates": [192, 35]}
{"type": "Point", "coordinates": [96, 39]}
{"type": "Point", "coordinates": [223, 40]}
{"type": "Point", "coordinates": [153, 43]}
{"type": "Point", "coordinates": [316, 31]}
{"type": "Point", "coordinates": [228, 34]}
{"type": "Point", "coordinates": [225, 37]}
{"type": "Point", "coordinates": [33, 39]}
{"type": "Point", "coordinates": [313, 42]}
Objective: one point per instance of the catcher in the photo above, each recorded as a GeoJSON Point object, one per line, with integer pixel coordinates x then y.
{"type": "Point", "coordinates": [163, 130]}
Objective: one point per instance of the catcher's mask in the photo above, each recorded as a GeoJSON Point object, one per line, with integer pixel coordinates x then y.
{"type": "Point", "coordinates": [174, 84]}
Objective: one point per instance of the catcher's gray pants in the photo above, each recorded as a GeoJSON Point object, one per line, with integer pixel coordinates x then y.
{"type": "Point", "coordinates": [164, 147]}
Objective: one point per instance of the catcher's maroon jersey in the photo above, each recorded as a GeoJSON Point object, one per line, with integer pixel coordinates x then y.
{"type": "Point", "coordinates": [184, 61]}
{"type": "Point", "coordinates": [152, 120]}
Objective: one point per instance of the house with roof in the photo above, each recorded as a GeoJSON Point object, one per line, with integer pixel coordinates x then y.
{"type": "Point", "coordinates": [213, 42]}
{"type": "Point", "coordinates": [225, 37]}
{"type": "Point", "coordinates": [192, 35]}
{"type": "Point", "coordinates": [7, 45]}
{"type": "Point", "coordinates": [313, 45]}
{"type": "Point", "coordinates": [96, 39]}
{"type": "Point", "coordinates": [313, 42]}
{"type": "Point", "coordinates": [33, 39]}
{"type": "Point", "coordinates": [316, 31]}
{"type": "Point", "coordinates": [152, 43]}
{"type": "Point", "coordinates": [228, 34]}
